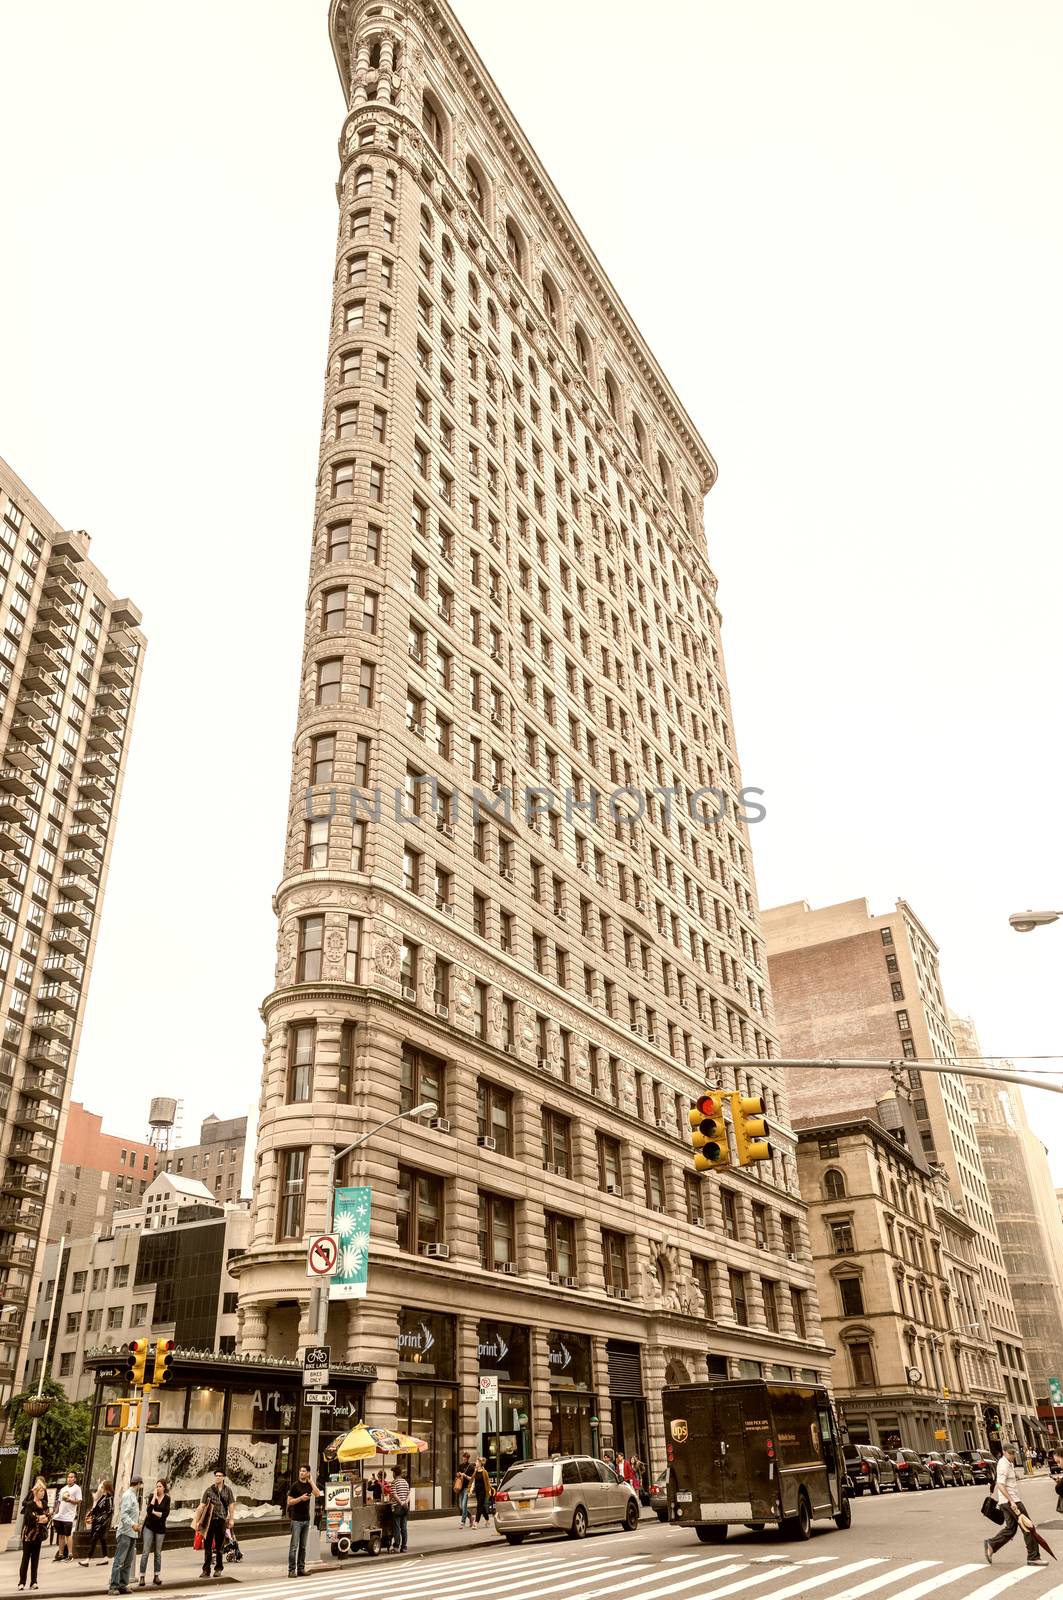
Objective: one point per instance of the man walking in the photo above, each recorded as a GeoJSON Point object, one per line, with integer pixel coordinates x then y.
{"type": "Point", "coordinates": [400, 1508]}
{"type": "Point", "coordinates": [463, 1484]}
{"type": "Point", "coordinates": [300, 1498]}
{"type": "Point", "coordinates": [1006, 1495]}
{"type": "Point", "coordinates": [215, 1517]}
{"type": "Point", "coordinates": [125, 1543]}
{"type": "Point", "coordinates": [65, 1515]}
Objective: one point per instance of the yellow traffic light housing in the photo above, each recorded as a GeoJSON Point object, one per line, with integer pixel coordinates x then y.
{"type": "Point", "coordinates": [163, 1361]}
{"type": "Point", "coordinates": [137, 1361]}
{"type": "Point", "coordinates": [708, 1132]}
{"type": "Point", "coordinates": [750, 1129]}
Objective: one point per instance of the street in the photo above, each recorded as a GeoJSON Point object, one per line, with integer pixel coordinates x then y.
{"type": "Point", "coordinates": [900, 1547]}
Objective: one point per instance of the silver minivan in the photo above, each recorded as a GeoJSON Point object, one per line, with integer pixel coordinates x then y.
{"type": "Point", "coordinates": [568, 1494]}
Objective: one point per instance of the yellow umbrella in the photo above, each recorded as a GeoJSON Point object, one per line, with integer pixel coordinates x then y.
{"type": "Point", "coordinates": [363, 1442]}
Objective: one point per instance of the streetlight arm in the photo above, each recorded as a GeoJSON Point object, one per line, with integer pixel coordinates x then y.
{"type": "Point", "coordinates": [428, 1109]}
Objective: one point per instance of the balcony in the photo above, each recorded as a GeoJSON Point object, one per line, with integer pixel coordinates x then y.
{"type": "Point", "coordinates": [124, 614]}
{"type": "Point", "coordinates": [28, 732]}
{"type": "Point", "coordinates": [82, 836]}
{"type": "Point", "coordinates": [24, 1214]}
{"type": "Point", "coordinates": [73, 914]}
{"type": "Point", "coordinates": [45, 642]}
{"type": "Point", "coordinates": [37, 1116]}
{"type": "Point", "coordinates": [34, 702]}
{"type": "Point", "coordinates": [11, 837]}
{"type": "Point", "coordinates": [53, 1025]}
{"type": "Point", "coordinates": [51, 1084]}
{"type": "Point", "coordinates": [23, 756]}
{"type": "Point", "coordinates": [13, 809]}
{"type": "Point", "coordinates": [11, 866]}
{"type": "Point", "coordinates": [92, 787]}
{"type": "Point", "coordinates": [13, 1254]}
{"type": "Point", "coordinates": [117, 669]}
{"type": "Point", "coordinates": [74, 887]}
{"type": "Point", "coordinates": [120, 639]}
{"type": "Point", "coordinates": [13, 1292]}
{"type": "Point", "coordinates": [48, 1053]}
{"type": "Point", "coordinates": [84, 863]}
{"type": "Point", "coordinates": [58, 997]}
{"type": "Point", "coordinates": [57, 586]}
{"type": "Point", "coordinates": [37, 1147]}
{"type": "Point", "coordinates": [68, 941]}
{"type": "Point", "coordinates": [12, 782]}
{"type": "Point", "coordinates": [106, 719]}
{"type": "Point", "coordinates": [101, 739]}
{"type": "Point", "coordinates": [96, 765]}
{"type": "Point", "coordinates": [70, 545]}
{"type": "Point", "coordinates": [52, 609]}
{"type": "Point", "coordinates": [92, 812]}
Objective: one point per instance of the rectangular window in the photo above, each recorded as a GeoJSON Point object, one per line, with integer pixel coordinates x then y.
{"type": "Point", "coordinates": [329, 678]}
{"type": "Point", "coordinates": [863, 1364]}
{"type": "Point", "coordinates": [695, 1197]}
{"type": "Point", "coordinates": [494, 1115]}
{"type": "Point", "coordinates": [609, 1164]}
{"type": "Point", "coordinates": [315, 844]}
{"type": "Point", "coordinates": [359, 836]}
{"type": "Point", "coordinates": [419, 1210]}
{"type": "Point", "coordinates": [366, 683]}
{"type": "Point", "coordinates": [557, 1143]}
{"type": "Point", "coordinates": [496, 1228]}
{"type": "Point", "coordinates": [771, 1304]}
{"type": "Point", "coordinates": [737, 1281]}
{"type": "Point", "coordinates": [292, 1193]}
{"type": "Point", "coordinates": [653, 1173]}
{"type": "Point", "coordinates": [560, 1245]}
{"type": "Point", "coordinates": [852, 1297]}
{"type": "Point", "coordinates": [339, 542]}
{"type": "Point", "coordinates": [614, 1260]}
{"type": "Point", "coordinates": [423, 1077]}
{"type": "Point", "coordinates": [354, 949]}
{"type": "Point", "coordinates": [322, 758]}
{"type": "Point", "coordinates": [729, 1208]}
{"type": "Point", "coordinates": [361, 762]}
{"type": "Point", "coordinates": [841, 1234]}
{"type": "Point", "coordinates": [301, 1061]}
{"type": "Point", "coordinates": [311, 939]}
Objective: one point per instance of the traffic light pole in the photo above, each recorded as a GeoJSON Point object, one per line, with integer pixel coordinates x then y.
{"type": "Point", "coordinates": [953, 1067]}
{"type": "Point", "coordinates": [142, 1428]}
{"type": "Point", "coordinates": [313, 1550]}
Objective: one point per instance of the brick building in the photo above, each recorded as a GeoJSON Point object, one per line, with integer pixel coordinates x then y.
{"type": "Point", "coordinates": [97, 1172]}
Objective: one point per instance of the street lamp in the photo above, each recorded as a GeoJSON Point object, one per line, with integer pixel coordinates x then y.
{"type": "Point", "coordinates": [1027, 921]}
{"type": "Point", "coordinates": [427, 1109]}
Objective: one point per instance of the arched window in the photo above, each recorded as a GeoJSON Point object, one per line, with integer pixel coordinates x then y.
{"type": "Point", "coordinates": [426, 222]}
{"type": "Point", "coordinates": [664, 472]}
{"type": "Point", "coordinates": [583, 354]}
{"type": "Point", "coordinates": [432, 124]}
{"type": "Point", "coordinates": [688, 513]}
{"type": "Point", "coordinates": [640, 437]}
{"type": "Point", "coordinates": [476, 189]}
{"type": "Point", "coordinates": [374, 55]}
{"type": "Point", "coordinates": [551, 304]}
{"type": "Point", "coordinates": [514, 247]}
{"type": "Point", "coordinates": [474, 289]}
{"type": "Point", "coordinates": [363, 181]}
{"type": "Point", "coordinates": [833, 1184]}
{"type": "Point", "coordinates": [612, 396]}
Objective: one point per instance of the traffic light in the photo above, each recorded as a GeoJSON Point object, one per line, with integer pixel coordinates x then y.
{"type": "Point", "coordinates": [708, 1132]}
{"type": "Point", "coordinates": [750, 1128]}
{"type": "Point", "coordinates": [163, 1361]}
{"type": "Point", "coordinates": [136, 1361]}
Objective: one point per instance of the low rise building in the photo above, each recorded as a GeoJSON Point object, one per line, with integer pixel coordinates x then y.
{"type": "Point", "coordinates": [98, 1173]}
{"type": "Point", "coordinates": [886, 1300]}
{"type": "Point", "coordinates": [217, 1160]}
{"type": "Point", "coordinates": [159, 1271]}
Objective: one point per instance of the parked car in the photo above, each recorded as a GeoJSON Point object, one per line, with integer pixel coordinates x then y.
{"type": "Point", "coordinates": [983, 1465]}
{"type": "Point", "coordinates": [940, 1470]}
{"type": "Point", "coordinates": [870, 1468]}
{"type": "Point", "coordinates": [962, 1471]}
{"type": "Point", "coordinates": [912, 1470]}
{"type": "Point", "coordinates": [566, 1495]}
{"type": "Point", "coordinates": [658, 1492]}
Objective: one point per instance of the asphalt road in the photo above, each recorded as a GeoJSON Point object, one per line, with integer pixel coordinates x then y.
{"type": "Point", "coordinates": [923, 1546]}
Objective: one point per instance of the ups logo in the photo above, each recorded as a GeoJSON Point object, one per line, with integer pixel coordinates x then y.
{"type": "Point", "coordinates": [679, 1430]}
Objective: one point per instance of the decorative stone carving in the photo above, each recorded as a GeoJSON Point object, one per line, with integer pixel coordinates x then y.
{"type": "Point", "coordinates": [525, 1025]}
{"type": "Point", "coordinates": [386, 956]}
{"type": "Point", "coordinates": [494, 1009]}
{"type": "Point", "coordinates": [336, 950]}
{"type": "Point", "coordinates": [428, 975]}
{"type": "Point", "coordinates": [286, 951]}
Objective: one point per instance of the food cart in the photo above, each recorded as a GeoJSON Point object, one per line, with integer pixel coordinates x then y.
{"type": "Point", "coordinates": [354, 1520]}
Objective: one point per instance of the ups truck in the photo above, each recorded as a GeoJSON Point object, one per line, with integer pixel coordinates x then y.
{"type": "Point", "coordinates": [753, 1453]}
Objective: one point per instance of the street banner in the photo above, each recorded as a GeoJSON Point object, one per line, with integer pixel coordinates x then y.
{"type": "Point", "coordinates": [350, 1224]}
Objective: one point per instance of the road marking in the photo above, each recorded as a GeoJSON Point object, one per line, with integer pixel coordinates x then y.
{"type": "Point", "coordinates": [805, 1561]}
{"type": "Point", "coordinates": [938, 1581]}
{"type": "Point", "coordinates": [883, 1580]}
{"type": "Point", "coordinates": [986, 1591]}
{"type": "Point", "coordinates": [825, 1577]}
{"type": "Point", "coordinates": [430, 1582]}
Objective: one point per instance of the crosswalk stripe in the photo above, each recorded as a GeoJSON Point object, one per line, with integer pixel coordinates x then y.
{"type": "Point", "coordinates": [939, 1581]}
{"type": "Point", "coordinates": [684, 1583]}
{"type": "Point", "coordinates": [986, 1591]}
{"type": "Point", "coordinates": [527, 1584]}
{"type": "Point", "coordinates": [883, 1580]}
{"type": "Point", "coordinates": [826, 1577]}
{"type": "Point", "coordinates": [805, 1561]}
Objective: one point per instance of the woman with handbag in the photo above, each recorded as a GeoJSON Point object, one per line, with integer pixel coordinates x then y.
{"type": "Point", "coordinates": [35, 1520]}
{"type": "Point", "coordinates": [462, 1485]}
{"type": "Point", "coordinates": [99, 1520]}
{"type": "Point", "coordinates": [481, 1488]}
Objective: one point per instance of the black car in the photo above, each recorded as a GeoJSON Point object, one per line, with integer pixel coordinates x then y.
{"type": "Point", "coordinates": [983, 1465]}
{"type": "Point", "coordinates": [941, 1471]}
{"type": "Point", "coordinates": [870, 1468]}
{"type": "Point", "coordinates": [962, 1471]}
{"type": "Point", "coordinates": [912, 1470]}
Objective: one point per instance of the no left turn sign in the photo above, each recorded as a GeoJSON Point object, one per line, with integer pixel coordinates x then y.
{"type": "Point", "coordinates": [321, 1257]}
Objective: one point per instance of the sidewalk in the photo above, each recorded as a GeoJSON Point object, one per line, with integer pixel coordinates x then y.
{"type": "Point", "coordinates": [263, 1559]}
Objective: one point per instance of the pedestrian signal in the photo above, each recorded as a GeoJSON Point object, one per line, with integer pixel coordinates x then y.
{"type": "Point", "coordinates": [708, 1133]}
{"type": "Point", "coordinates": [163, 1361]}
{"type": "Point", "coordinates": [750, 1129]}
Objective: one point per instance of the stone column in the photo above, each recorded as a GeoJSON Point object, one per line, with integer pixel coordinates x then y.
{"type": "Point", "coordinates": [540, 1397]}
{"type": "Point", "coordinates": [600, 1371]}
{"type": "Point", "coordinates": [372, 1336]}
{"type": "Point", "coordinates": [654, 1366]}
{"type": "Point", "coordinates": [468, 1372]}
{"type": "Point", "coordinates": [252, 1340]}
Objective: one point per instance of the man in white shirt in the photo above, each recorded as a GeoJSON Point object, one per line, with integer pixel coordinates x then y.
{"type": "Point", "coordinates": [1006, 1495]}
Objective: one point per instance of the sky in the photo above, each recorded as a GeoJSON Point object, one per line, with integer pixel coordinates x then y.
{"type": "Point", "coordinates": [837, 225]}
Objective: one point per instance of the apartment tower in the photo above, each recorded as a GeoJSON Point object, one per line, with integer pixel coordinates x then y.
{"type": "Point", "coordinates": [71, 660]}
{"type": "Point", "coordinates": [852, 985]}
{"type": "Point", "coordinates": [510, 593]}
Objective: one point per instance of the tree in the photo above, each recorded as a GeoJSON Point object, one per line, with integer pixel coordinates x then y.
{"type": "Point", "coordinates": [62, 1433]}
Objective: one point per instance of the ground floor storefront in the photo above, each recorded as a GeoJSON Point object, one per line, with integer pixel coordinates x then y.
{"type": "Point", "coordinates": [923, 1423]}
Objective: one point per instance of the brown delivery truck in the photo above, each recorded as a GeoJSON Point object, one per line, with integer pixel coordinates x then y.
{"type": "Point", "coordinates": [753, 1453]}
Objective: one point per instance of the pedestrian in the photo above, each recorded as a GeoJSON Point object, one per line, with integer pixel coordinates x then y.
{"type": "Point", "coordinates": [155, 1513]}
{"type": "Point", "coordinates": [125, 1543]}
{"type": "Point", "coordinates": [35, 1519]}
{"type": "Point", "coordinates": [215, 1515]}
{"type": "Point", "coordinates": [301, 1496]}
{"type": "Point", "coordinates": [620, 1466]}
{"type": "Point", "coordinates": [64, 1517]}
{"type": "Point", "coordinates": [99, 1520]}
{"type": "Point", "coordinates": [481, 1488]}
{"type": "Point", "coordinates": [400, 1509]}
{"type": "Point", "coordinates": [463, 1484]}
{"type": "Point", "coordinates": [376, 1488]}
{"type": "Point", "coordinates": [1016, 1516]}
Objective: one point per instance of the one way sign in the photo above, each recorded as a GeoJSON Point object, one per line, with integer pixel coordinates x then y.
{"type": "Point", "coordinates": [320, 1397]}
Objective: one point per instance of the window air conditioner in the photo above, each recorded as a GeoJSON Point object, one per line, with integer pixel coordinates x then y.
{"type": "Point", "coordinates": [486, 1142]}
{"type": "Point", "coordinates": [408, 993]}
{"type": "Point", "coordinates": [613, 1188]}
{"type": "Point", "coordinates": [440, 1124]}
{"type": "Point", "coordinates": [555, 1277]}
{"type": "Point", "coordinates": [440, 1252]}
{"type": "Point", "coordinates": [570, 1283]}
{"type": "Point", "coordinates": [443, 1011]}
{"type": "Point", "coordinates": [508, 1267]}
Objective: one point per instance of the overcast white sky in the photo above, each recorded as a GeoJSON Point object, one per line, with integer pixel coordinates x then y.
{"type": "Point", "coordinates": [839, 227]}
